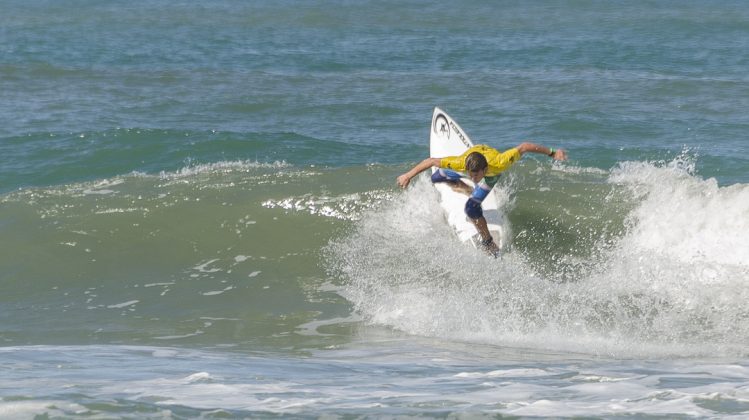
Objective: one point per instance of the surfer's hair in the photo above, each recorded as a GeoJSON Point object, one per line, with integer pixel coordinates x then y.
{"type": "Point", "coordinates": [475, 162]}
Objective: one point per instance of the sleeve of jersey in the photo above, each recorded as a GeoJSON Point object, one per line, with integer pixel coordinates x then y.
{"type": "Point", "coordinates": [507, 158]}
{"type": "Point", "coordinates": [456, 163]}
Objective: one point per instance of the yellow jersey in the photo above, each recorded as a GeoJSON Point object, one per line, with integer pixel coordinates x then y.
{"type": "Point", "coordinates": [498, 161]}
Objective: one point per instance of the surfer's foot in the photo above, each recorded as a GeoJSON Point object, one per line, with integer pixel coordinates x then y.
{"type": "Point", "coordinates": [492, 249]}
{"type": "Point", "coordinates": [460, 186]}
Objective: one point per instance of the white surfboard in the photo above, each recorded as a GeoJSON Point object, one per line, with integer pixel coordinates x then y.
{"type": "Point", "coordinates": [448, 139]}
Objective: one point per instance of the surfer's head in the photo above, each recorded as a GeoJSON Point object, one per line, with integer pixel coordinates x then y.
{"type": "Point", "coordinates": [476, 166]}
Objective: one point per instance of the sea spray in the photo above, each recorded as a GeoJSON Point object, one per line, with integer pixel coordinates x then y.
{"type": "Point", "coordinates": [404, 268]}
{"type": "Point", "coordinates": [684, 217]}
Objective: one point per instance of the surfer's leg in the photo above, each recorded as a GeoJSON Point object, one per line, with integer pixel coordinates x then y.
{"type": "Point", "coordinates": [483, 188]}
{"type": "Point", "coordinates": [473, 204]}
{"type": "Point", "coordinates": [476, 214]}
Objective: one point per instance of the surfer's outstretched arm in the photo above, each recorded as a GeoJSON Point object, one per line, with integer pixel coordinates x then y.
{"type": "Point", "coordinates": [422, 166]}
{"type": "Point", "coordinates": [556, 154]}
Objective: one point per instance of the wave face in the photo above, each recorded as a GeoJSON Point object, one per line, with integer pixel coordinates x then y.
{"type": "Point", "coordinates": [645, 259]}
{"type": "Point", "coordinates": [222, 253]}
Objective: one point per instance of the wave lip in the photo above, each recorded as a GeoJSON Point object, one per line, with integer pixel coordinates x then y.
{"type": "Point", "coordinates": [684, 217]}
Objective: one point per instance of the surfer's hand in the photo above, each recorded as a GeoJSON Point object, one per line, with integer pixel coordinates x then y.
{"type": "Point", "coordinates": [403, 180]}
{"type": "Point", "coordinates": [425, 164]}
{"type": "Point", "coordinates": [559, 154]}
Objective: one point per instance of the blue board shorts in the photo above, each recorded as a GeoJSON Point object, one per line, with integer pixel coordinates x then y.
{"type": "Point", "coordinates": [479, 193]}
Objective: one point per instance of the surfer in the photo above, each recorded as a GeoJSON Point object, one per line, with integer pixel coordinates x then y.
{"type": "Point", "coordinates": [483, 165]}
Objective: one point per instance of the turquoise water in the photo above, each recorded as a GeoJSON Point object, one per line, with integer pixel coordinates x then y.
{"type": "Point", "coordinates": [199, 212]}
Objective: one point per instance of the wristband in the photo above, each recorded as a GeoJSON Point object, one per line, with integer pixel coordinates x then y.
{"type": "Point", "coordinates": [487, 242]}
{"type": "Point", "coordinates": [551, 152]}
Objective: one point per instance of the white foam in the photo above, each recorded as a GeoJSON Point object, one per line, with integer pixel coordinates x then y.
{"type": "Point", "coordinates": [98, 192]}
{"type": "Point", "coordinates": [102, 187]}
{"type": "Point", "coordinates": [31, 409]}
{"type": "Point", "coordinates": [171, 283]}
{"type": "Point", "coordinates": [222, 167]}
{"type": "Point", "coordinates": [198, 377]}
{"type": "Point", "coordinates": [686, 218]}
{"type": "Point", "coordinates": [165, 353]}
{"type": "Point", "coordinates": [123, 304]}
{"type": "Point", "coordinates": [471, 380]}
{"type": "Point", "coordinates": [310, 328]}
{"type": "Point", "coordinates": [203, 267]}
{"type": "Point", "coordinates": [217, 292]}
{"type": "Point", "coordinates": [576, 170]}
{"type": "Point", "coordinates": [122, 210]}
{"type": "Point", "coordinates": [177, 337]}
{"type": "Point", "coordinates": [504, 373]}
{"type": "Point", "coordinates": [682, 406]}
{"type": "Point", "coordinates": [344, 207]}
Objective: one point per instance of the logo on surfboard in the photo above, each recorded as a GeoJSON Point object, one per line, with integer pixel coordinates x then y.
{"type": "Point", "coordinates": [441, 126]}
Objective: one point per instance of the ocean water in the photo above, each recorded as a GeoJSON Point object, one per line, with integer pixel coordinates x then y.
{"type": "Point", "coordinates": [199, 216]}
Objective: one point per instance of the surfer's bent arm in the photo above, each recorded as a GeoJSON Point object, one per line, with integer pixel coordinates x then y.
{"type": "Point", "coordinates": [422, 166]}
{"type": "Point", "coordinates": [556, 154]}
